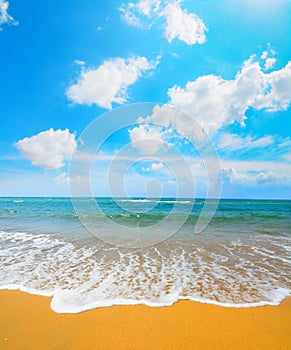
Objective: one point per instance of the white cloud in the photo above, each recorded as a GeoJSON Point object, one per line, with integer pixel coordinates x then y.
{"type": "Point", "coordinates": [79, 63]}
{"type": "Point", "coordinates": [108, 83]}
{"type": "Point", "coordinates": [171, 129]}
{"type": "Point", "coordinates": [233, 142]}
{"type": "Point", "coordinates": [49, 148]}
{"type": "Point", "coordinates": [270, 177]}
{"type": "Point", "coordinates": [179, 24]}
{"type": "Point", "coordinates": [5, 18]}
{"type": "Point", "coordinates": [132, 12]}
{"type": "Point", "coordinates": [129, 17]}
{"type": "Point", "coordinates": [276, 92]}
{"type": "Point", "coordinates": [257, 166]}
{"type": "Point", "coordinates": [253, 173]}
{"type": "Point", "coordinates": [270, 62]}
{"type": "Point", "coordinates": [147, 139]}
{"type": "Point", "coordinates": [285, 142]}
{"type": "Point", "coordinates": [231, 175]}
{"type": "Point", "coordinates": [154, 167]}
{"type": "Point", "coordinates": [61, 179]}
{"type": "Point", "coordinates": [215, 102]}
{"type": "Point", "coordinates": [186, 27]}
{"type": "Point", "coordinates": [157, 166]}
{"type": "Point", "coordinates": [264, 55]}
{"type": "Point", "coordinates": [147, 7]}
{"type": "Point", "coordinates": [175, 121]}
{"type": "Point", "coordinates": [268, 58]}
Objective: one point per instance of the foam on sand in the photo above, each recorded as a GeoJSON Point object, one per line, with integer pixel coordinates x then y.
{"type": "Point", "coordinates": [80, 277]}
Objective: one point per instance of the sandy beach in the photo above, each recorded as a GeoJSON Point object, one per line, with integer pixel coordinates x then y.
{"type": "Point", "coordinates": [27, 322]}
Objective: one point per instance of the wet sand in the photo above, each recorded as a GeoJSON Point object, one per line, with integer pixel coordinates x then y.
{"type": "Point", "coordinates": [27, 322]}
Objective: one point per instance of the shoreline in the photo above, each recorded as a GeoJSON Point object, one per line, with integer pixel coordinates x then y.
{"type": "Point", "coordinates": [27, 321]}
{"type": "Point", "coordinates": [59, 308]}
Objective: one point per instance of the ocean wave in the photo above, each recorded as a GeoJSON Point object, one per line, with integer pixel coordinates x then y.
{"type": "Point", "coordinates": [235, 273]}
{"type": "Point", "coordinates": [161, 201]}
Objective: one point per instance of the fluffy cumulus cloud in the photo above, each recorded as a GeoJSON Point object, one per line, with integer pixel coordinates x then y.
{"type": "Point", "coordinates": [108, 83]}
{"type": "Point", "coordinates": [184, 26]}
{"type": "Point", "coordinates": [48, 149]}
{"type": "Point", "coordinates": [216, 102]}
{"type": "Point", "coordinates": [168, 126]}
{"type": "Point", "coordinates": [178, 23]}
{"type": "Point", "coordinates": [146, 139]}
{"type": "Point", "coordinates": [5, 18]}
{"type": "Point", "coordinates": [177, 121]}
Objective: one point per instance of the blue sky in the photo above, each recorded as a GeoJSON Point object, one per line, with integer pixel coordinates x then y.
{"type": "Point", "coordinates": [224, 63]}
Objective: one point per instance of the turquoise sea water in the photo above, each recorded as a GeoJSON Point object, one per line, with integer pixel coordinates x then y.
{"type": "Point", "coordinates": [241, 259]}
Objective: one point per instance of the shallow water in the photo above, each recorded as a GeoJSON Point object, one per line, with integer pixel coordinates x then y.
{"type": "Point", "coordinates": [241, 259]}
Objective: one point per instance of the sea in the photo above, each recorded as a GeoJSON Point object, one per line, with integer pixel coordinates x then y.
{"type": "Point", "coordinates": [84, 259]}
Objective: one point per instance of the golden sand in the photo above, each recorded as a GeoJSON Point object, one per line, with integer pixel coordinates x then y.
{"type": "Point", "coordinates": [27, 322]}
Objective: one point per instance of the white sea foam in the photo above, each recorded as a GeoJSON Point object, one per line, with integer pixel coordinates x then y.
{"type": "Point", "coordinates": [155, 201]}
{"type": "Point", "coordinates": [236, 273]}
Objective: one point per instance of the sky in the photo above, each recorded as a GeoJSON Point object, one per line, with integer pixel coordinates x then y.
{"type": "Point", "coordinates": [141, 69]}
